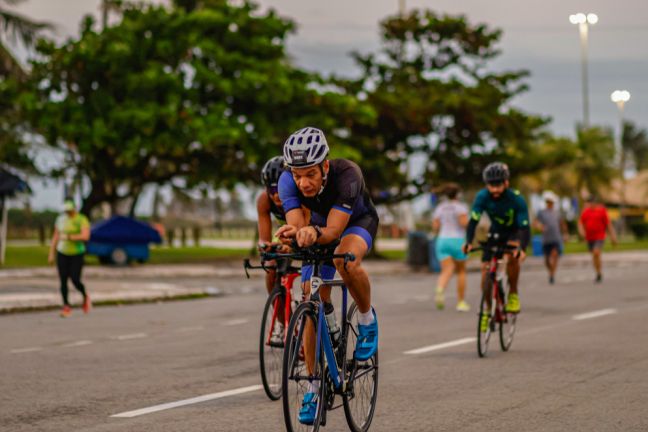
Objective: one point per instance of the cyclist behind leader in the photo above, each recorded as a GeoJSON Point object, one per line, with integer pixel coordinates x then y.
{"type": "Point", "coordinates": [335, 193]}
{"type": "Point", "coordinates": [509, 217]}
{"type": "Point", "coordinates": [268, 205]}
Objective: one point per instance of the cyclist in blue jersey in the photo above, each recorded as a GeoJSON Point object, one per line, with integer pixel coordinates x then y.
{"type": "Point", "coordinates": [509, 217]}
{"type": "Point", "coordinates": [335, 193]}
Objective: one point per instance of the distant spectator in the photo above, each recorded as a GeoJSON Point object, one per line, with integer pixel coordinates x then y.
{"type": "Point", "coordinates": [593, 225]}
{"type": "Point", "coordinates": [449, 220]}
{"type": "Point", "coordinates": [71, 231]}
{"type": "Point", "coordinates": [554, 230]}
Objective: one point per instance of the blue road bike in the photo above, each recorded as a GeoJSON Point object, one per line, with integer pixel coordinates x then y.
{"type": "Point", "coordinates": [334, 365]}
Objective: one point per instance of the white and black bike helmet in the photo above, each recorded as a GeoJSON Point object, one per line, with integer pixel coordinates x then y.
{"type": "Point", "coordinates": [305, 148]}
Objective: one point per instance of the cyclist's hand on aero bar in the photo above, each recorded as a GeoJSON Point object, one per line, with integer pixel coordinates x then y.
{"type": "Point", "coordinates": [306, 236]}
{"type": "Point", "coordinates": [285, 233]}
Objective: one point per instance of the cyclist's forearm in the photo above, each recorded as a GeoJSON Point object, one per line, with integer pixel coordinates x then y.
{"type": "Point", "coordinates": [470, 230]}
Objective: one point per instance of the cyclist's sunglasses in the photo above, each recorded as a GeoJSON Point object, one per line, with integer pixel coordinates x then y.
{"type": "Point", "coordinates": [273, 190]}
{"type": "Point", "coordinates": [495, 183]}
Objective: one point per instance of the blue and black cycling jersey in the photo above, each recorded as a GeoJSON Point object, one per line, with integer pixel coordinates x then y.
{"type": "Point", "coordinates": [344, 190]}
{"type": "Point", "coordinates": [509, 216]}
{"type": "Point", "coordinates": [277, 211]}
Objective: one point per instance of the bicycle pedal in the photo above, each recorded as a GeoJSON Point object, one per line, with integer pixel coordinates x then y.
{"type": "Point", "coordinates": [276, 344]}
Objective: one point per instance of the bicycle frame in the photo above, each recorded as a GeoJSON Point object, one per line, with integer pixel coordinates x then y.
{"type": "Point", "coordinates": [323, 338]}
{"type": "Point", "coordinates": [286, 284]}
{"type": "Point", "coordinates": [499, 316]}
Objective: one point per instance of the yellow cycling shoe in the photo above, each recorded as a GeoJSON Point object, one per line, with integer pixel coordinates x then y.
{"type": "Point", "coordinates": [483, 325]}
{"type": "Point", "coordinates": [513, 304]}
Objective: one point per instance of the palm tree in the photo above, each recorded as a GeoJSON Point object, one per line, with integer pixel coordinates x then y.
{"type": "Point", "coordinates": [635, 144]}
{"type": "Point", "coordinates": [594, 166]}
{"type": "Point", "coordinates": [15, 28]}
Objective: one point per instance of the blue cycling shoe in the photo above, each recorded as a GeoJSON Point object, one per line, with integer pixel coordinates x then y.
{"type": "Point", "coordinates": [367, 343]}
{"type": "Point", "coordinates": [309, 409]}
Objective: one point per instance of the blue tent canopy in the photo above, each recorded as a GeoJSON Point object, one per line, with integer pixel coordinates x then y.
{"type": "Point", "coordinates": [120, 229]}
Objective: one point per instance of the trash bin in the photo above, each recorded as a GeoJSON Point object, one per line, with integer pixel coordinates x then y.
{"type": "Point", "coordinates": [536, 245]}
{"type": "Point", "coordinates": [433, 262]}
{"type": "Point", "coordinates": [417, 248]}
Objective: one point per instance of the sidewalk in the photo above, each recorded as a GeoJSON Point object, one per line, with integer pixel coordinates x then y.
{"type": "Point", "coordinates": [37, 288]}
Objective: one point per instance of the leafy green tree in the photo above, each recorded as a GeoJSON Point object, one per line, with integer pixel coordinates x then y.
{"type": "Point", "coordinates": [435, 97]}
{"type": "Point", "coordinates": [202, 91]}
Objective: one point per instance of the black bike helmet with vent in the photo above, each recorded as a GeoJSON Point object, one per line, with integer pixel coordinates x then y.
{"type": "Point", "coordinates": [496, 172]}
{"type": "Point", "coordinates": [272, 171]}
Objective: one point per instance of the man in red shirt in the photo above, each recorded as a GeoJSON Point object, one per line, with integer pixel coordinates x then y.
{"type": "Point", "coordinates": [593, 225]}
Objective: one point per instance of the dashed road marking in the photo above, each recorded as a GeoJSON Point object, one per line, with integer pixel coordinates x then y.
{"type": "Point", "coordinates": [131, 336]}
{"type": "Point", "coordinates": [78, 344]}
{"type": "Point", "coordinates": [594, 314]}
{"type": "Point", "coordinates": [235, 322]}
{"type": "Point", "coordinates": [440, 346]}
{"type": "Point", "coordinates": [199, 399]}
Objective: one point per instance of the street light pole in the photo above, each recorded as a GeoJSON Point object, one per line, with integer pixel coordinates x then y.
{"type": "Point", "coordinates": [620, 97]}
{"type": "Point", "coordinates": [583, 22]}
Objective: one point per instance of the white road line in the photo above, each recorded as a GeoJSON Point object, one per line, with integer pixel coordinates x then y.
{"type": "Point", "coordinates": [594, 314]}
{"type": "Point", "coordinates": [199, 399]}
{"type": "Point", "coordinates": [25, 350]}
{"type": "Point", "coordinates": [441, 346]}
{"type": "Point", "coordinates": [78, 344]}
{"type": "Point", "coordinates": [235, 322]}
{"type": "Point", "coordinates": [131, 336]}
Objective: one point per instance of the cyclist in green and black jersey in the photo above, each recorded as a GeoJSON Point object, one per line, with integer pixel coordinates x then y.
{"type": "Point", "coordinates": [509, 217]}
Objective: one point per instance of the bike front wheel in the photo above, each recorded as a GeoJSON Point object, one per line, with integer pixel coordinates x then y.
{"type": "Point", "coordinates": [507, 328]}
{"type": "Point", "coordinates": [296, 374]}
{"type": "Point", "coordinates": [361, 377]}
{"type": "Point", "coordinates": [271, 351]}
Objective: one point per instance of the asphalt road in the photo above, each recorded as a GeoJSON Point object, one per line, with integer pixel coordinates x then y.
{"type": "Point", "coordinates": [579, 362]}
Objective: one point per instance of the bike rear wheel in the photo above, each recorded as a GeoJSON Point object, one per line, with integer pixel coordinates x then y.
{"type": "Point", "coordinates": [271, 354]}
{"type": "Point", "coordinates": [361, 377]}
{"type": "Point", "coordinates": [295, 375]}
{"type": "Point", "coordinates": [483, 337]}
{"type": "Point", "coordinates": [507, 326]}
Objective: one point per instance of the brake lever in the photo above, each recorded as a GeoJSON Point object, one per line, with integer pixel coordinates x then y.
{"type": "Point", "coordinates": [246, 265]}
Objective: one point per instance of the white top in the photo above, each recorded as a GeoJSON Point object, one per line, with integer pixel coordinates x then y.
{"type": "Point", "coordinates": [448, 213]}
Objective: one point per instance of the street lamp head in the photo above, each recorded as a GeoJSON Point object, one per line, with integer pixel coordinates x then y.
{"type": "Point", "coordinates": [579, 18]}
{"type": "Point", "coordinates": [592, 18]}
{"type": "Point", "coordinates": [620, 96]}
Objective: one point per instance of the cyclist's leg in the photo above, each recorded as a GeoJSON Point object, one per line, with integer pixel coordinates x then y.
{"type": "Point", "coordinates": [484, 281]}
{"type": "Point", "coordinates": [513, 272]}
{"type": "Point", "coordinates": [354, 275]}
{"type": "Point", "coordinates": [270, 276]}
{"type": "Point", "coordinates": [357, 240]}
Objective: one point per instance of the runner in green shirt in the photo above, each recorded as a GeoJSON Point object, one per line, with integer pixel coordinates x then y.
{"type": "Point", "coordinates": [71, 231]}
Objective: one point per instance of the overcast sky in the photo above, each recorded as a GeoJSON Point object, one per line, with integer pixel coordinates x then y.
{"type": "Point", "coordinates": [537, 36]}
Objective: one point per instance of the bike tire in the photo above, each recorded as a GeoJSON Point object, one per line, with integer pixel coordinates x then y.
{"type": "Point", "coordinates": [361, 394]}
{"type": "Point", "coordinates": [293, 384]}
{"type": "Point", "coordinates": [484, 337]}
{"type": "Point", "coordinates": [271, 357]}
{"type": "Point", "coordinates": [507, 327]}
